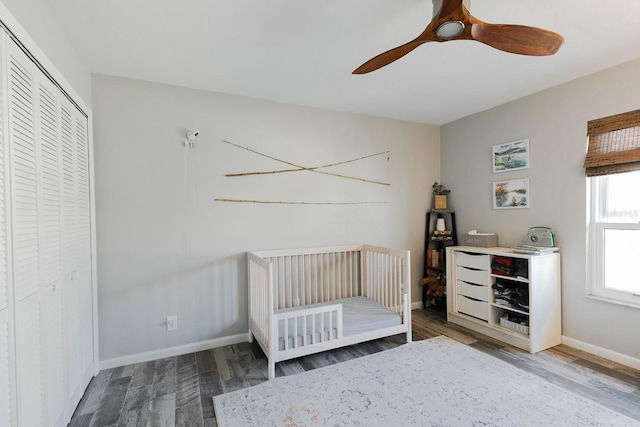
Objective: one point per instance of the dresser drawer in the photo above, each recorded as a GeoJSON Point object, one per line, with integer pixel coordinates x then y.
{"type": "Point", "coordinates": [472, 307]}
{"type": "Point", "coordinates": [479, 277]}
{"type": "Point", "coordinates": [480, 262]}
{"type": "Point", "coordinates": [472, 290]}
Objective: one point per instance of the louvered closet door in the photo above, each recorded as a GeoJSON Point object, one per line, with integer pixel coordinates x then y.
{"type": "Point", "coordinates": [72, 318]}
{"type": "Point", "coordinates": [53, 295]}
{"type": "Point", "coordinates": [50, 225]}
{"type": "Point", "coordinates": [26, 250]}
{"type": "Point", "coordinates": [84, 247]}
{"type": "Point", "coordinates": [76, 248]}
{"type": "Point", "coordinates": [7, 389]}
{"type": "Point", "coordinates": [46, 299]}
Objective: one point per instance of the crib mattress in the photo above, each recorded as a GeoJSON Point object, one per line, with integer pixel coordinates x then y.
{"type": "Point", "coordinates": [359, 315]}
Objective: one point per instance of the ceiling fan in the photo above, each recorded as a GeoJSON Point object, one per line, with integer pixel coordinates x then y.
{"type": "Point", "coordinates": [452, 21]}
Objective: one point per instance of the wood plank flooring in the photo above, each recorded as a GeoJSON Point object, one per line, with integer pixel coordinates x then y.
{"type": "Point", "coordinates": [177, 391]}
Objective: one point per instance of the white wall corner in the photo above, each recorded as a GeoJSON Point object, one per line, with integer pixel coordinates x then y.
{"type": "Point", "coordinates": [602, 352]}
{"type": "Point", "coordinates": [173, 351]}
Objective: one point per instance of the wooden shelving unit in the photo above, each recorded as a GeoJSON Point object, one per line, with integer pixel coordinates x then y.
{"type": "Point", "coordinates": [435, 244]}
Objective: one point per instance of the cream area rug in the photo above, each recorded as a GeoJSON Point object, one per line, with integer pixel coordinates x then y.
{"type": "Point", "coordinates": [435, 382]}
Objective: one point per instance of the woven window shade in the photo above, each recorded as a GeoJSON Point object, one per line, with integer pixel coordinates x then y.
{"type": "Point", "coordinates": [614, 144]}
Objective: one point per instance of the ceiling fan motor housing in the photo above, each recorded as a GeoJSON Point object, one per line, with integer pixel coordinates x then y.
{"type": "Point", "coordinates": [450, 30]}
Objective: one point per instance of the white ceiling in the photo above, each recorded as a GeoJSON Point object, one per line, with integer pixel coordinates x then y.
{"type": "Point", "coordinates": [303, 52]}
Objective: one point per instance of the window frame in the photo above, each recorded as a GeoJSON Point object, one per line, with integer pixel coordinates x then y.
{"type": "Point", "coordinates": [597, 186]}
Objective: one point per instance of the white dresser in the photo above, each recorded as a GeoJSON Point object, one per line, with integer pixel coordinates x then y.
{"type": "Point", "coordinates": [515, 298]}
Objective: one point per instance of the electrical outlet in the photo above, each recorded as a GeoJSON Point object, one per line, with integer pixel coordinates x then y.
{"type": "Point", "coordinates": [172, 323]}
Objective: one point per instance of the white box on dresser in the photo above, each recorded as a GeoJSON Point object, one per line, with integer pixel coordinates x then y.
{"type": "Point", "coordinates": [471, 301]}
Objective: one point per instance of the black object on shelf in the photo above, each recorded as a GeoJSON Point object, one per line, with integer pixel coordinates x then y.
{"type": "Point", "coordinates": [435, 243]}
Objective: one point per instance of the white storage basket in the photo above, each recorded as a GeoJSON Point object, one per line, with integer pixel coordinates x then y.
{"type": "Point", "coordinates": [523, 329]}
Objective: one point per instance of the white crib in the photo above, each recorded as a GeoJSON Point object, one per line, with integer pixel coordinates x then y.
{"type": "Point", "coordinates": [303, 301]}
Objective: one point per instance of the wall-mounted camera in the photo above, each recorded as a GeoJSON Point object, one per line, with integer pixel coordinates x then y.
{"type": "Point", "coordinates": [192, 134]}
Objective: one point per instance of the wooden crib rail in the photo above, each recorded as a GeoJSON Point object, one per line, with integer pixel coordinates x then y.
{"type": "Point", "coordinates": [308, 326]}
{"type": "Point", "coordinates": [386, 276]}
{"type": "Point", "coordinates": [314, 275]}
{"type": "Point", "coordinates": [260, 298]}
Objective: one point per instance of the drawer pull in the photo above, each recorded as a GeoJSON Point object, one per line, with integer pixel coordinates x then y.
{"type": "Point", "coordinates": [471, 284]}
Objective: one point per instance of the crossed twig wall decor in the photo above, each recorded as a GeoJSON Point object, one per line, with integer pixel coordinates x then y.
{"type": "Point", "coordinates": [302, 168]}
{"type": "Point", "coordinates": [299, 168]}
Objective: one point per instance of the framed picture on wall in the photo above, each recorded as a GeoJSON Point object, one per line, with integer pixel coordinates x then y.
{"type": "Point", "coordinates": [511, 156]}
{"type": "Point", "coordinates": [513, 194]}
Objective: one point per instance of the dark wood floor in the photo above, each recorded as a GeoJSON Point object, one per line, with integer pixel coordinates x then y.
{"type": "Point", "coordinates": [178, 390]}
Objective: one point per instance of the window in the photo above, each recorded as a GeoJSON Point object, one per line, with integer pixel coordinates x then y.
{"type": "Point", "coordinates": [615, 247]}
{"type": "Point", "coordinates": [613, 165]}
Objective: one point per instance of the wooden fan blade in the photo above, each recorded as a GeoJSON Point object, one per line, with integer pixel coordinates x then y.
{"type": "Point", "coordinates": [386, 58]}
{"type": "Point", "coordinates": [518, 39]}
{"type": "Point", "coordinates": [428, 35]}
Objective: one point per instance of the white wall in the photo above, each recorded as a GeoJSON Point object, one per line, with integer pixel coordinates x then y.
{"type": "Point", "coordinates": [165, 247]}
{"type": "Point", "coordinates": [38, 20]}
{"type": "Point", "coordinates": [555, 121]}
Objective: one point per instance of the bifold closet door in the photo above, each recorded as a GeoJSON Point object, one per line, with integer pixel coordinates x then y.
{"type": "Point", "coordinates": [52, 291]}
{"type": "Point", "coordinates": [26, 256]}
{"type": "Point", "coordinates": [50, 226]}
{"type": "Point", "coordinates": [76, 249]}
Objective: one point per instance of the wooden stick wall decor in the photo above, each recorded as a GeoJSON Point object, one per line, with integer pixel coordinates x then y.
{"type": "Point", "coordinates": [273, 202]}
{"type": "Point", "coordinates": [299, 168]}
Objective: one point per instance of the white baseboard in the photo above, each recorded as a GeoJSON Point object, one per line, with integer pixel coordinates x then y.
{"type": "Point", "coordinates": [172, 351]}
{"type": "Point", "coordinates": [602, 352]}
{"type": "Point", "coordinates": [416, 305]}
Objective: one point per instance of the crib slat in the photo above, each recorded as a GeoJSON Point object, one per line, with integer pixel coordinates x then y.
{"type": "Point", "coordinates": [349, 278]}
{"type": "Point", "coordinates": [340, 274]}
{"type": "Point", "coordinates": [278, 280]}
{"type": "Point", "coordinates": [343, 260]}
{"type": "Point", "coordinates": [288, 283]}
{"type": "Point", "coordinates": [323, 288]}
{"type": "Point", "coordinates": [337, 275]}
{"type": "Point", "coordinates": [332, 276]}
{"type": "Point", "coordinates": [295, 332]}
{"type": "Point", "coordinates": [398, 283]}
{"type": "Point", "coordinates": [392, 281]}
{"type": "Point", "coordinates": [296, 287]}
{"type": "Point", "coordinates": [304, 331]}
{"type": "Point", "coordinates": [350, 274]}
{"type": "Point", "coordinates": [316, 274]}
{"type": "Point", "coordinates": [385, 275]}
{"type": "Point", "coordinates": [381, 268]}
{"type": "Point", "coordinates": [306, 269]}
